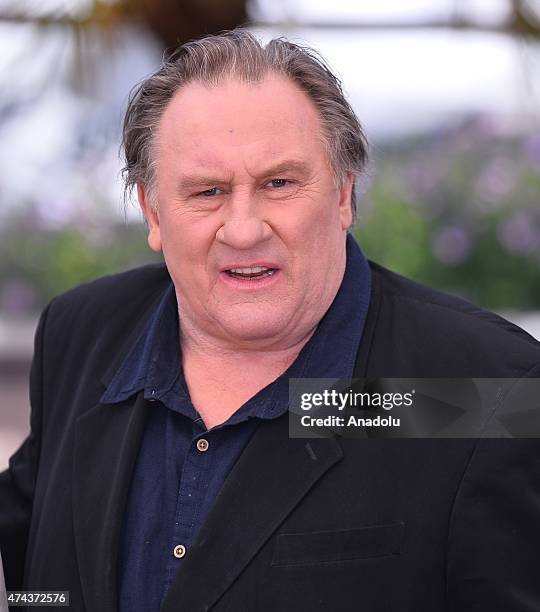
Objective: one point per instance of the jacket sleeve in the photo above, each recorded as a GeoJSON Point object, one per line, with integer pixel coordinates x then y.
{"type": "Point", "coordinates": [494, 537]}
{"type": "Point", "coordinates": [17, 482]}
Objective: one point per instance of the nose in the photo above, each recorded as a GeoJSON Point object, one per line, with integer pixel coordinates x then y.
{"type": "Point", "coordinates": [243, 232]}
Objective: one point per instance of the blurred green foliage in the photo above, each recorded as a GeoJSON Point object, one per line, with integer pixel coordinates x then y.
{"type": "Point", "coordinates": [460, 212]}
{"type": "Point", "coordinates": [37, 265]}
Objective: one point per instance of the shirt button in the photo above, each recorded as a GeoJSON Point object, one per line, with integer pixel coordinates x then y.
{"type": "Point", "coordinates": [202, 445]}
{"type": "Point", "coordinates": [179, 551]}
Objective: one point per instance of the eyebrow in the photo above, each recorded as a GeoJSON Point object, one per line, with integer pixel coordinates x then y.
{"type": "Point", "coordinates": [187, 182]}
{"type": "Point", "coordinates": [194, 181]}
{"type": "Point", "coordinates": [289, 165]}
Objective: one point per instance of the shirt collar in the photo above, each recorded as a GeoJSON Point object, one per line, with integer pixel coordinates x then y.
{"type": "Point", "coordinates": [153, 365]}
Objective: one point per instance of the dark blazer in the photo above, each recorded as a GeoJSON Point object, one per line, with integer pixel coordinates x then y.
{"type": "Point", "coordinates": [376, 525]}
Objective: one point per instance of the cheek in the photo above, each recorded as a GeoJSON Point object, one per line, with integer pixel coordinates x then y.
{"type": "Point", "coordinates": [319, 223]}
{"type": "Point", "coordinates": [187, 241]}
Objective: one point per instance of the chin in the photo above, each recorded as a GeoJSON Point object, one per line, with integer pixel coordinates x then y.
{"type": "Point", "coordinates": [249, 327]}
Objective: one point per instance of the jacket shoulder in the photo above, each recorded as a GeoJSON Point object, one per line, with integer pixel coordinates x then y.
{"type": "Point", "coordinates": [110, 302]}
{"type": "Point", "coordinates": [108, 292]}
{"type": "Point", "coordinates": [444, 335]}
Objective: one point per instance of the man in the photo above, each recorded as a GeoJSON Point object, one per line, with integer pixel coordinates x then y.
{"type": "Point", "coordinates": [160, 474]}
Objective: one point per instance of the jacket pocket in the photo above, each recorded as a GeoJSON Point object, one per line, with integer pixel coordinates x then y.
{"type": "Point", "coordinates": [339, 545]}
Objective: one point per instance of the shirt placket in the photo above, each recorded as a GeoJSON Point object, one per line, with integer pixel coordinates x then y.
{"type": "Point", "coordinates": [193, 486]}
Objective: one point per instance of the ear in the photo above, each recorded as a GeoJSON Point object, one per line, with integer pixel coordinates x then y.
{"type": "Point", "coordinates": [152, 219]}
{"type": "Point", "coordinates": [345, 202]}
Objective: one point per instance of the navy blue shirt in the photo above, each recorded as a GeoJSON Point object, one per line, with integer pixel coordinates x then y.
{"type": "Point", "coordinates": [181, 465]}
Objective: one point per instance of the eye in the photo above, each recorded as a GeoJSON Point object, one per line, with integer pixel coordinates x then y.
{"type": "Point", "coordinates": [208, 193]}
{"type": "Point", "coordinates": [278, 182]}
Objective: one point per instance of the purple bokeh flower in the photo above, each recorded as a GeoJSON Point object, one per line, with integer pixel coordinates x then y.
{"type": "Point", "coordinates": [497, 180]}
{"type": "Point", "coordinates": [452, 244]}
{"type": "Point", "coordinates": [17, 297]}
{"type": "Point", "coordinates": [531, 150]}
{"type": "Point", "coordinates": [520, 232]}
{"type": "Point", "coordinates": [422, 175]}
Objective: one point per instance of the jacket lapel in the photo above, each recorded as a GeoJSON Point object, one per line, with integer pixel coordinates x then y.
{"type": "Point", "coordinates": [271, 476]}
{"type": "Point", "coordinates": [107, 440]}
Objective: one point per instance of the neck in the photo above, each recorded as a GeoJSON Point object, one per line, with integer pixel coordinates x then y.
{"type": "Point", "coordinates": [220, 380]}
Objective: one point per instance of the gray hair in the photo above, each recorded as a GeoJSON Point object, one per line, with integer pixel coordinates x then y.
{"type": "Point", "coordinates": [237, 53]}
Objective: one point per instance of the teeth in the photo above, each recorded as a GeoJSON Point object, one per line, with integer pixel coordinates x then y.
{"type": "Point", "coordinates": [254, 270]}
{"type": "Point", "coordinates": [250, 273]}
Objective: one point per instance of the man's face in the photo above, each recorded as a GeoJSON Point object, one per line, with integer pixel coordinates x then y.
{"type": "Point", "coordinates": [251, 223]}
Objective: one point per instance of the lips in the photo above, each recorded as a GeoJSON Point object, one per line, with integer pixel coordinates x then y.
{"type": "Point", "coordinates": [250, 272]}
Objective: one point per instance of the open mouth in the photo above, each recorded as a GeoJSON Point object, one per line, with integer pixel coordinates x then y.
{"type": "Point", "coordinates": [254, 273]}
